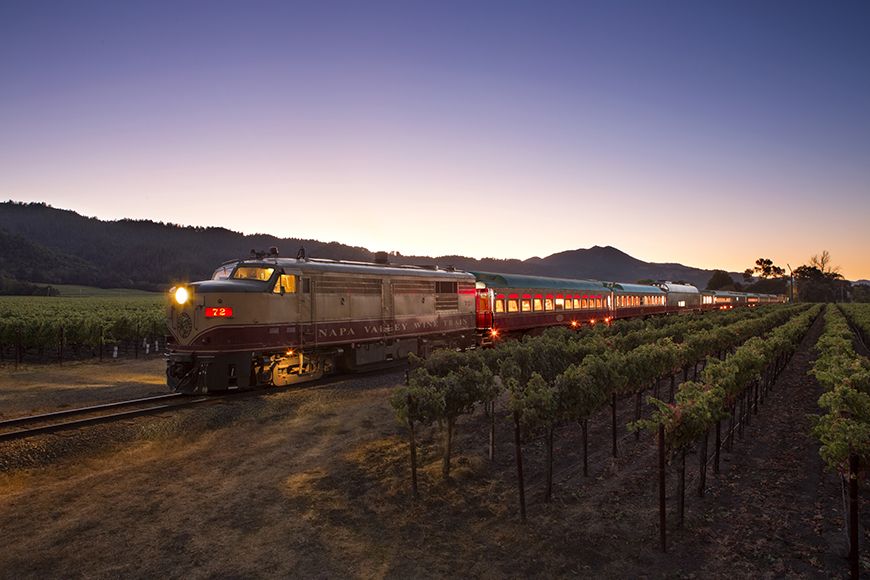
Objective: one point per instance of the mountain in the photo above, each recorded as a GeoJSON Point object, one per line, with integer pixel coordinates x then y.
{"type": "Point", "coordinates": [43, 244]}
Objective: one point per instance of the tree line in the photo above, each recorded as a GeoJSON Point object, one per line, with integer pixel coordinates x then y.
{"type": "Point", "coordinates": [816, 281]}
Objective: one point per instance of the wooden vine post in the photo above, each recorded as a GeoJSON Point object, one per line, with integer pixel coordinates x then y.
{"type": "Point", "coordinates": [412, 444]}
{"type": "Point", "coordinates": [519, 452]}
{"type": "Point", "coordinates": [662, 494]}
{"type": "Point", "coordinates": [718, 446]}
{"type": "Point", "coordinates": [613, 416]}
{"type": "Point", "coordinates": [491, 407]}
{"type": "Point", "coordinates": [853, 516]}
{"type": "Point", "coordinates": [637, 405]}
{"type": "Point", "coordinates": [681, 486]}
{"type": "Point", "coordinates": [703, 474]}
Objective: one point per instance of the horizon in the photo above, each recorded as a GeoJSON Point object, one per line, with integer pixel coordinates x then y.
{"type": "Point", "coordinates": [702, 134]}
{"type": "Point", "coordinates": [433, 257]}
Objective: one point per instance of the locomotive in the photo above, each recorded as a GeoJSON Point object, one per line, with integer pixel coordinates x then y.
{"type": "Point", "coordinates": [268, 320]}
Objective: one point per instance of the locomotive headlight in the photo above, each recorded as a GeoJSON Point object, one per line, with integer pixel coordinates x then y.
{"type": "Point", "coordinates": [181, 295]}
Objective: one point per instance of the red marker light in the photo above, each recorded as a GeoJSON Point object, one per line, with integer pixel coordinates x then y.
{"type": "Point", "coordinates": [223, 312]}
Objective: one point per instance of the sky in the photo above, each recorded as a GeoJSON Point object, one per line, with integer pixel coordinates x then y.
{"type": "Point", "coordinates": [705, 133]}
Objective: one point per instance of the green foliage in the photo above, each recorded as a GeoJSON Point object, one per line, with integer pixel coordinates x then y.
{"type": "Point", "coordinates": [39, 320]}
{"type": "Point", "coordinates": [698, 405]}
{"type": "Point", "coordinates": [845, 427]}
{"type": "Point", "coordinates": [441, 388]}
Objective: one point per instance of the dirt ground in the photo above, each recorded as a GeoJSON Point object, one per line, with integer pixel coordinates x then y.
{"type": "Point", "coordinates": [315, 483]}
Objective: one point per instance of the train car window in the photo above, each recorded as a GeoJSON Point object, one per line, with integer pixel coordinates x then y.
{"type": "Point", "coordinates": [598, 302]}
{"type": "Point", "coordinates": [499, 305]}
{"type": "Point", "coordinates": [585, 303]}
{"type": "Point", "coordinates": [577, 303]}
{"type": "Point", "coordinates": [253, 273]}
{"type": "Point", "coordinates": [527, 305]}
{"type": "Point", "coordinates": [286, 284]}
{"type": "Point", "coordinates": [548, 303]}
{"type": "Point", "coordinates": [306, 285]}
{"type": "Point", "coordinates": [560, 303]}
{"type": "Point", "coordinates": [539, 303]}
{"type": "Point", "coordinates": [513, 305]}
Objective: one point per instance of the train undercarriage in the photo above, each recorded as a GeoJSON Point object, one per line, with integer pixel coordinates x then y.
{"type": "Point", "coordinates": [196, 373]}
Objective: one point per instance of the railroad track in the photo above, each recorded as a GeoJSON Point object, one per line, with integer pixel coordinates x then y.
{"type": "Point", "coordinates": [22, 427]}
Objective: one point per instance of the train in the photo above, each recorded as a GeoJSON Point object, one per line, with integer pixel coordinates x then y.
{"type": "Point", "coordinates": [267, 320]}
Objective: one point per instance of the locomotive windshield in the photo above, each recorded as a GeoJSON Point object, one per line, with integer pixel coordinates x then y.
{"type": "Point", "coordinates": [261, 273]}
{"type": "Point", "coordinates": [223, 272]}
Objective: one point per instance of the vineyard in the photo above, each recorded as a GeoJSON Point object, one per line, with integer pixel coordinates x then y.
{"type": "Point", "coordinates": [43, 329]}
{"type": "Point", "coordinates": [559, 379]}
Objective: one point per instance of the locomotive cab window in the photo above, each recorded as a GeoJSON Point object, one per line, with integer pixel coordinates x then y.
{"type": "Point", "coordinates": [286, 284]}
{"type": "Point", "coordinates": [253, 273]}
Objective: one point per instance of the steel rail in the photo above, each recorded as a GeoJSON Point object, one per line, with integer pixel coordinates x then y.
{"type": "Point", "coordinates": [84, 410]}
{"type": "Point", "coordinates": [106, 418]}
{"type": "Point", "coordinates": [74, 424]}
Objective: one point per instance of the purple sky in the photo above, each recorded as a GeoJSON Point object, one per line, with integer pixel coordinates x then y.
{"type": "Point", "coordinates": [706, 133]}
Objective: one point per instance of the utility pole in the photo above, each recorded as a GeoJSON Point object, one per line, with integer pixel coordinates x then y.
{"type": "Point", "coordinates": [791, 290]}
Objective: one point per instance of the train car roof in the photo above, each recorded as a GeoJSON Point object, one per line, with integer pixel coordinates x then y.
{"type": "Point", "coordinates": [367, 268]}
{"type": "Point", "coordinates": [491, 280]}
{"type": "Point", "coordinates": [731, 293]}
{"type": "Point", "coordinates": [636, 288]}
{"type": "Point", "coordinates": [671, 287]}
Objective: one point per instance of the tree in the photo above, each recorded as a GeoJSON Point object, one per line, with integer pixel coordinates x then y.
{"type": "Point", "coordinates": [748, 275]}
{"type": "Point", "coordinates": [819, 281]}
{"type": "Point", "coordinates": [860, 293]}
{"type": "Point", "coordinates": [720, 279]}
{"type": "Point", "coordinates": [823, 263]}
{"type": "Point", "coordinates": [766, 268]}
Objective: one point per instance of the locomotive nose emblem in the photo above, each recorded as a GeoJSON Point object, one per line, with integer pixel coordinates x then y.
{"type": "Point", "coordinates": [185, 325]}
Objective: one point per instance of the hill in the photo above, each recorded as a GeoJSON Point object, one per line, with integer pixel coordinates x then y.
{"type": "Point", "coordinates": [42, 244]}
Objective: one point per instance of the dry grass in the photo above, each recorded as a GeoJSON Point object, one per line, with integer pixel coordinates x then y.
{"type": "Point", "coordinates": [315, 484]}
{"type": "Point", "coordinates": [33, 389]}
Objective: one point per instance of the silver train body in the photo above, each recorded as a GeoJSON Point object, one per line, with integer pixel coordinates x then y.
{"type": "Point", "coordinates": [279, 321]}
